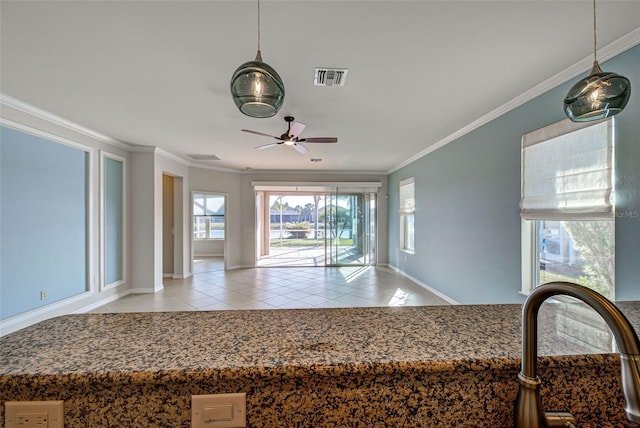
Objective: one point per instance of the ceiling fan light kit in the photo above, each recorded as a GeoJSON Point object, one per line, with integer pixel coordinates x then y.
{"type": "Point", "coordinates": [256, 87]}
{"type": "Point", "coordinates": [291, 137]}
{"type": "Point", "coordinates": [599, 95]}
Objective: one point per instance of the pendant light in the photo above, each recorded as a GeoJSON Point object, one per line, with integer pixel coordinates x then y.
{"type": "Point", "coordinates": [599, 95]}
{"type": "Point", "coordinates": [256, 88]}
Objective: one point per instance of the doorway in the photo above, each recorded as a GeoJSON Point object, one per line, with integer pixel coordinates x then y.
{"type": "Point", "coordinates": [209, 240]}
{"type": "Point", "coordinates": [316, 229]}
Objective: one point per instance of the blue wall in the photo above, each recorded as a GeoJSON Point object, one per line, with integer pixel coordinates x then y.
{"type": "Point", "coordinates": [43, 221]}
{"type": "Point", "coordinates": [467, 223]}
{"type": "Point", "coordinates": [628, 180]}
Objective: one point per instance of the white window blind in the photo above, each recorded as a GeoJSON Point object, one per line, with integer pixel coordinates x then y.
{"type": "Point", "coordinates": [567, 171]}
{"type": "Point", "coordinates": [407, 197]}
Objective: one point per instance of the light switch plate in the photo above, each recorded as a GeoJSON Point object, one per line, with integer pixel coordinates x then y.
{"type": "Point", "coordinates": [211, 411]}
{"type": "Point", "coordinates": [34, 414]}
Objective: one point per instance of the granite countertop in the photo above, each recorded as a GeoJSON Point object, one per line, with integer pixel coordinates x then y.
{"type": "Point", "coordinates": [436, 338]}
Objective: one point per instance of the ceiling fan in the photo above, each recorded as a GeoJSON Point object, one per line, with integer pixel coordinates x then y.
{"type": "Point", "coordinates": [292, 137]}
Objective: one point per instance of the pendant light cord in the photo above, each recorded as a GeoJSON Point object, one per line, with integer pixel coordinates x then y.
{"type": "Point", "coordinates": [595, 34]}
{"type": "Point", "coordinates": [259, 24]}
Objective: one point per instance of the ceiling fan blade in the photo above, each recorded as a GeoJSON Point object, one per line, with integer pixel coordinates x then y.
{"type": "Point", "coordinates": [260, 133]}
{"type": "Point", "coordinates": [296, 129]}
{"type": "Point", "coordinates": [300, 148]}
{"type": "Point", "coordinates": [266, 146]}
{"type": "Point", "coordinates": [320, 140]}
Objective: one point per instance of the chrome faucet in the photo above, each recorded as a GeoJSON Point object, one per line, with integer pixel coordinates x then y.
{"type": "Point", "coordinates": [528, 409]}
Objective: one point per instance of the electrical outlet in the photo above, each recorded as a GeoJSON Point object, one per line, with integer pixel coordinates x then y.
{"type": "Point", "coordinates": [219, 411]}
{"type": "Point", "coordinates": [43, 295]}
{"type": "Point", "coordinates": [34, 414]}
{"type": "Point", "coordinates": [33, 420]}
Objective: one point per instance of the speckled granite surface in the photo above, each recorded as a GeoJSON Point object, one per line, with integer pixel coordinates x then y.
{"type": "Point", "coordinates": [398, 367]}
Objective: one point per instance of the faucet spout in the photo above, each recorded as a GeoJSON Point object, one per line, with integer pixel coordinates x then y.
{"type": "Point", "coordinates": [528, 410]}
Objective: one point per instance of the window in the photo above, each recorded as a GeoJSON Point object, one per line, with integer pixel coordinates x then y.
{"type": "Point", "coordinates": [566, 206]}
{"type": "Point", "coordinates": [208, 216]}
{"type": "Point", "coordinates": [407, 215]}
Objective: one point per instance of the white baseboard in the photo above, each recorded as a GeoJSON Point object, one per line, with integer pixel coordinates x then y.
{"type": "Point", "coordinates": [102, 302]}
{"type": "Point", "coordinates": [75, 304]}
{"type": "Point", "coordinates": [425, 286]}
{"type": "Point", "coordinates": [240, 267]}
{"type": "Point", "coordinates": [176, 276]}
{"type": "Point", "coordinates": [147, 290]}
{"type": "Point", "coordinates": [183, 276]}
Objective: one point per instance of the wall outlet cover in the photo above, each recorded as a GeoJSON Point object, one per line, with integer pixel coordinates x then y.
{"type": "Point", "coordinates": [219, 411]}
{"type": "Point", "coordinates": [34, 414]}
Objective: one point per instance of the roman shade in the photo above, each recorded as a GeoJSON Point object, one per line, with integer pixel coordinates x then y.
{"type": "Point", "coordinates": [407, 197]}
{"type": "Point", "coordinates": [567, 171]}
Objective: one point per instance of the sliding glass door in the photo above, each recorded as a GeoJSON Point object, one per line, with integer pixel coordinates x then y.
{"type": "Point", "coordinates": [350, 229]}
{"type": "Point", "coordinates": [316, 229]}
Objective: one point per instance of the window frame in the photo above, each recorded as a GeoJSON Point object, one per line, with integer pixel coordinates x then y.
{"type": "Point", "coordinates": [406, 211]}
{"type": "Point", "coordinates": [207, 218]}
{"type": "Point", "coordinates": [104, 156]}
{"type": "Point", "coordinates": [530, 228]}
{"type": "Point", "coordinates": [530, 255]}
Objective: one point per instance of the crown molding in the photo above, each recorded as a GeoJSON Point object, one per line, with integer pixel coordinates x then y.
{"type": "Point", "coordinates": [162, 152]}
{"type": "Point", "coordinates": [57, 120]}
{"type": "Point", "coordinates": [614, 48]}
{"type": "Point", "coordinates": [43, 134]}
{"type": "Point", "coordinates": [310, 172]}
{"type": "Point", "coordinates": [218, 168]}
{"type": "Point", "coordinates": [173, 157]}
{"type": "Point", "coordinates": [286, 172]}
{"type": "Point", "coordinates": [8, 101]}
{"type": "Point", "coordinates": [143, 149]}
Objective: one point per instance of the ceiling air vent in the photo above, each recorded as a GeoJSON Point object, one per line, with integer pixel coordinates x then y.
{"type": "Point", "coordinates": [330, 76]}
{"type": "Point", "coordinates": [199, 157]}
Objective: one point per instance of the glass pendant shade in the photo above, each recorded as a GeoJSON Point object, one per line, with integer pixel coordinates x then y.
{"type": "Point", "coordinates": [257, 89]}
{"type": "Point", "coordinates": [597, 96]}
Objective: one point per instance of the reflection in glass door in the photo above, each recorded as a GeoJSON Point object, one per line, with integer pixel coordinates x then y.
{"type": "Point", "coordinates": [350, 229]}
{"type": "Point", "coordinates": [319, 229]}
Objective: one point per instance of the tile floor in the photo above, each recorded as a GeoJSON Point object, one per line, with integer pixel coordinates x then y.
{"type": "Point", "coordinates": [213, 288]}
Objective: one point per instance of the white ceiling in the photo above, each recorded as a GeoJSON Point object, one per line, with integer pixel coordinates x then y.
{"type": "Point", "coordinates": [157, 73]}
